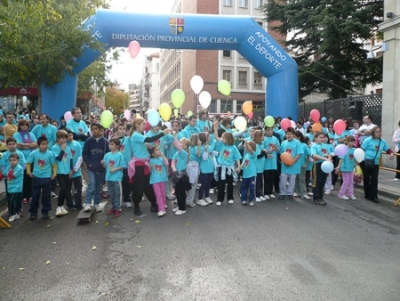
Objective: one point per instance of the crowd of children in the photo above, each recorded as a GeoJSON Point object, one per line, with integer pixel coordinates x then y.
{"type": "Point", "coordinates": [133, 158]}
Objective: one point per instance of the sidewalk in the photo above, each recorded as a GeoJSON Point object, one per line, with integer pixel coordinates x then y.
{"type": "Point", "coordinates": [387, 188]}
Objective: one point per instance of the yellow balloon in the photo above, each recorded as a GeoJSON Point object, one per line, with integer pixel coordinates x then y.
{"type": "Point", "coordinates": [165, 111]}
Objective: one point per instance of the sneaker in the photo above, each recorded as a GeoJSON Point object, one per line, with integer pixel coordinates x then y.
{"type": "Point", "coordinates": [170, 197]}
{"type": "Point", "coordinates": [192, 205]}
{"type": "Point", "coordinates": [272, 196]}
{"type": "Point", "coordinates": [33, 216]}
{"type": "Point", "coordinates": [175, 201]}
{"type": "Point", "coordinates": [395, 179]}
{"type": "Point", "coordinates": [166, 206]}
{"type": "Point", "coordinates": [258, 200]}
{"type": "Point", "coordinates": [309, 193]}
{"type": "Point", "coordinates": [161, 213]}
{"type": "Point", "coordinates": [25, 201]}
{"type": "Point", "coordinates": [111, 211]}
{"type": "Point", "coordinates": [230, 202]}
{"type": "Point", "coordinates": [289, 197]}
{"type": "Point", "coordinates": [175, 209]}
{"type": "Point", "coordinates": [266, 197]}
{"type": "Point", "coordinates": [353, 197]}
{"type": "Point", "coordinates": [343, 197]}
{"type": "Point", "coordinates": [153, 209]}
{"type": "Point", "coordinates": [234, 183]}
{"type": "Point", "coordinates": [45, 215]}
{"type": "Point", "coordinates": [12, 218]}
{"type": "Point", "coordinates": [306, 197]}
{"type": "Point", "coordinates": [117, 213]}
{"type": "Point", "coordinates": [251, 204]}
{"type": "Point", "coordinates": [202, 203]}
{"type": "Point", "coordinates": [244, 203]}
{"type": "Point", "coordinates": [209, 200]}
{"type": "Point", "coordinates": [104, 195]}
{"type": "Point", "coordinates": [54, 195]}
{"type": "Point", "coordinates": [332, 187]}
{"type": "Point", "coordinates": [87, 207]}
{"type": "Point", "coordinates": [328, 191]}
{"type": "Point", "coordinates": [59, 211]}
{"type": "Point", "coordinates": [17, 216]}
{"type": "Point", "coordinates": [212, 190]}
{"type": "Point", "coordinates": [180, 212]}
{"type": "Point", "coordinates": [64, 211]}
{"type": "Point", "coordinates": [97, 208]}
{"type": "Point", "coordinates": [137, 211]}
{"type": "Point", "coordinates": [128, 204]}
{"type": "Point", "coordinates": [282, 197]}
{"type": "Point", "coordinates": [263, 199]}
{"type": "Point", "coordinates": [295, 195]}
{"type": "Point", "coordinates": [218, 204]}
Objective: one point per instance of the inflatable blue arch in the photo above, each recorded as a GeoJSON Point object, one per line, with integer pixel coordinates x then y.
{"type": "Point", "coordinates": [187, 31]}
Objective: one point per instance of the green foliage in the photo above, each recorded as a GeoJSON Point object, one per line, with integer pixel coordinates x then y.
{"type": "Point", "coordinates": [117, 100]}
{"type": "Point", "coordinates": [327, 43]}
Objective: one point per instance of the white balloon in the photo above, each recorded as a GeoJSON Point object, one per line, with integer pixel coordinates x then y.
{"type": "Point", "coordinates": [240, 123]}
{"type": "Point", "coordinates": [24, 98]}
{"type": "Point", "coordinates": [359, 154]}
{"type": "Point", "coordinates": [292, 124]}
{"type": "Point", "coordinates": [205, 99]}
{"type": "Point", "coordinates": [197, 84]}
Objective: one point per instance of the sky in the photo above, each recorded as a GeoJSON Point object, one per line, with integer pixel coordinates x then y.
{"type": "Point", "coordinates": [127, 70]}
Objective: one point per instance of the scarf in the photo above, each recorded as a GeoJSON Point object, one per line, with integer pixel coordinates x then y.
{"type": "Point", "coordinates": [25, 136]}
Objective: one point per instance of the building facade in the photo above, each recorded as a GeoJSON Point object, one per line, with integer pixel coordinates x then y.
{"type": "Point", "coordinates": [134, 97]}
{"type": "Point", "coordinates": [150, 83]}
{"type": "Point", "coordinates": [179, 66]}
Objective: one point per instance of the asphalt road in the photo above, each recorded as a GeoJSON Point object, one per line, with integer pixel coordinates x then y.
{"type": "Point", "coordinates": [277, 250]}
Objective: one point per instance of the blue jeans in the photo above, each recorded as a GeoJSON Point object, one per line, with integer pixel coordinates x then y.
{"type": "Point", "coordinates": [114, 191]}
{"type": "Point", "coordinates": [96, 180]}
{"type": "Point", "coordinates": [248, 184]}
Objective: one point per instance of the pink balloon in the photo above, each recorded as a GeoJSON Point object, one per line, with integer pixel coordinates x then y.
{"type": "Point", "coordinates": [339, 126]}
{"type": "Point", "coordinates": [147, 126]}
{"type": "Point", "coordinates": [285, 124]}
{"type": "Point", "coordinates": [315, 115]}
{"type": "Point", "coordinates": [250, 115]}
{"type": "Point", "coordinates": [127, 114]}
{"type": "Point", "coordinates": [134, 48]}
{"type": "Point", "coordinates": [68, 116]}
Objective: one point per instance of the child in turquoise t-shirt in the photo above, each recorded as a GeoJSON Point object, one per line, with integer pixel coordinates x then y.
{"type": "Point", "coordinates": [158, 177]}
{"type": "Point", "coordinates": [15, 176]}
{"type": "Point", "coordinates": [346, 166]}
{"type": "Point", "coordinates": [114, 163]}
{"type": "Point", "coordinates": [249, 173]}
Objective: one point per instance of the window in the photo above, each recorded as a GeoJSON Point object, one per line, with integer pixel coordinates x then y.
{"type": "Point", "coordinates": [226, 75]}
{"type": "Point", "coordinates": [258, 4]}
{"type": "Point", "coordinates": [157, 67]}
{"type": "Point", "coordinates": [257, 78]}
{"type": "Point", "coordinates": [228, 2]}
{"type": "Point", "coordinates": [242, 77]}
{"type": "Point", "coordinates": [243, 3]}
{"type": "Point", "coordinates": [226, 53]}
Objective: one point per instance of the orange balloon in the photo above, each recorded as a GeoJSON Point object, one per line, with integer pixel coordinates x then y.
{"type": "Point", "coordinates": [247, 107]}
{"type": "Point", "coordinates": [287, 158]}
{"type": "Point", "coordinates": [317, 127]}
{"type": "Point", "coordinates": [229, 113]}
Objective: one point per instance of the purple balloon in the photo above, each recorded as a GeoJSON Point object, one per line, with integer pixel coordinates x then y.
{"type": "Point", "coordinates": [341, 150]}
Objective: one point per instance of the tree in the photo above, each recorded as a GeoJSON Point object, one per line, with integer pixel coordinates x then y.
{"type": "Point", "coordinates": [328, 40]}
{"type": "Point", "coordinates": [117, 100]}
{"type": "Point", "coordinates": [40, 40]}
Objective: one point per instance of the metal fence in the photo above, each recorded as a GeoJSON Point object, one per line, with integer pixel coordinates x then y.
{"type": "Point", "coordinates": [353, 108]}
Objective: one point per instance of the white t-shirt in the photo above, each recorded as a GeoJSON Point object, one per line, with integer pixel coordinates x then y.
{"type": "Point", "coordinates": [363, 128]}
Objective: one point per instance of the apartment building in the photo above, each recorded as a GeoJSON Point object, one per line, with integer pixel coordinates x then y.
{"type": "Point", "coordinates": [150, 83]}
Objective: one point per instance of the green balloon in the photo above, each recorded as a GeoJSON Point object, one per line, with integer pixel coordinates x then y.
{"type": "Point", "coordinates": [269, 121]}
{"type": "Point", "coordinates": [189, 113]}
{"type": "Point", "coordinates": [106, 119]}
{"type": "Point", "coordinates": [178, 98]}
{"type": "Point", "coordinates": [224, 87]}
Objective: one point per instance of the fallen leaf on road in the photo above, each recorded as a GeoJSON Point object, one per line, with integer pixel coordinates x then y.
{"type": "Point", "coordinates": [131, 219]}
{"type": "Point", "coordinates": [53, 243]}
{"type": "Point", "coordinates": [21, 269]}
{"type": "Point", "coordinates": [97, 222]}
{"type": "Point", "coordinates": [139, 247]}
{"type": "Point", "coordinates": [48, 262]}
{"type": "Point", "coordinates": [137, 221]}
{"type": "Point", "coordinates": [4, 268]}
{"type": "Point", "coordinates": [107, 224]}
{"type": "Point", "coordinates": [94, 248]}
{"type": "Point", "coordinates": [187, 224]}
{"type": "Point", "coordinates": [287, 208]}
{"type": "Point", "coordinates": [48, 225]}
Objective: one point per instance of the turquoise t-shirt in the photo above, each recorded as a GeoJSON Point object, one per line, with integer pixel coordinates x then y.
{"type": "Point", "coordinates": [316, 149]}
{"type": "Point", "coordinates": [249, 165]}
{"type": "Point", "coordinates": [370, 146]}
{"type": "Point", "coordinates": [15, 178]}
{"type": "Point", "coordinates": [303, 157]}
{"type": "Point", "coordinates": [125, 150]}
{"type": "Point", "coordinates": [310, 162]}
{"type": "Point", "coordinates": [295, 148]}
{"type": "Point", "coordinates": [158, 172]}
{"type": "Point", "coordinates": [79, 128]}
{"type": "Point", "coordinates": [158, 141]}
{"type": "Point", "coordinates": [228, 155]}
{"type": "Point", "coordinates": [42, 163]}
{"type": "Point", "coordinates": [271, 161]}
{"type": "Point", "coordinates": [260, 161]}
{"type": "Point", "coordinates": [113, 161]}
{"type": "Point", "coordinates": [4, 159]}
{"type": "Point", "coordinates": [138, 147]}
{"type": "Point", "coordinates": [190, 130]}
{"type": "Point", "coordinates": [20, 138]}
{"type": "Point", "coordinates": [181, 158]}
{"type": "Point", "coordinates": [63, 166]}
{"type": "Point", "coordinates": [2, 123]}
{"type": "Point", "coordinates": [76, 153]}
{"type": "Point", "coordinates": [171, 147]}
{"type": "Point", "coordinates": [332, 138]}
{"type": "Point", "coordinates": [193, 154]}
{"type": "Point", "coordinates": [327, 149]}
{"type": "Point", "coordinates": [49, 131]}
{"type": "Point", "coordinates": [310, 136]}
{"type": "Point", "coordinates": [341, 136]}
{"type": "Point", "coordinates": [207, 166]}
{"type": "Point", "coordinates": [349, 162]}
{"type": "Point", "coordinates": [204, 125]}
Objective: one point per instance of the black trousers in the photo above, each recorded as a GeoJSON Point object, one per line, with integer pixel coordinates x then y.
{"type": "Point", "coordinates": [65, 190]}
{"type": "Point", "coordinates": [259, 185]}
{"type": "Point", "coordinates": [398, 165]}
{"type": "Point", "coordinates": [370, 178]}
{"type": "Point", "coordinates": [221, 186]}
{"type": "Point", "coordinates": [319, 179]}
{"type": "Point", "coordinates": [270, 177]}
{"type": "Point", "coordinates": [141, 184]}
{"type": "Point", "coordinates": [27, 186]}
{"type": "Point", "coordinates": [126, 186]}
{"type": "Point", "coordinates": [180, 193]}
{"type": "Point", "coordinates": [77, 181]}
